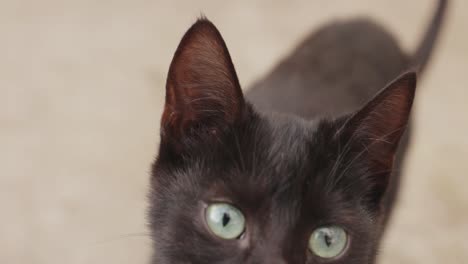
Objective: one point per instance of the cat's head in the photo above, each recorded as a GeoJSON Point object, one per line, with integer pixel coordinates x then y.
{"type": "Point", "coordinates": [231, 185]}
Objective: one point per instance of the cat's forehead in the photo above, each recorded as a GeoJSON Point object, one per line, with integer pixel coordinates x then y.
{"type": "Point", "coordinates": [288, 140]}
{"type": "Point", "coordinates": [274, 152]}
{"type": "Point", "coordinates": [288, 133]}
{"type": "Point", "coordinates": [270, 155]}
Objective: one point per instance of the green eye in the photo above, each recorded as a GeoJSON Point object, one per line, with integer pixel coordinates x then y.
{"type": "Point", "coordinates": [328, 241]}
{"type": "Point", "coordinates": [225, 221]}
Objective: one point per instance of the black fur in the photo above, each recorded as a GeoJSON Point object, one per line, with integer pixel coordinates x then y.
{"type": "Point", "coordinates": [286, 165]}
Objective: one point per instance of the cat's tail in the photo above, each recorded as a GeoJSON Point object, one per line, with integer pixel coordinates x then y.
{"type": "Point", "coordinates": [423, 52]}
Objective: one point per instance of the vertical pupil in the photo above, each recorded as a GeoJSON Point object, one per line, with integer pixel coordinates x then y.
{"type": "Point", "coordinates": [226, 219]}
{"type": "Point", "coordinates": [328, 240]}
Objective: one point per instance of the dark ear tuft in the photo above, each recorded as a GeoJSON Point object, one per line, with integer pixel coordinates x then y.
{"type": "Point", "coordinates": [202, 88]}
{"type": "Point", "coordinates": [377, 128]}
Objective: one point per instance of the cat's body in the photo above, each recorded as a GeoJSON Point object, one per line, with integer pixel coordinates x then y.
{"type": "Point", "coordinates": [321, 77]}
{"type": "Point", "coordinates": [309, 153]}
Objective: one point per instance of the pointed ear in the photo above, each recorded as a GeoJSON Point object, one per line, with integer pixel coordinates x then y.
{"type": "Point", "coordinates": [376, 129]}
{"type": "Point", "coordinates": [202, 90]}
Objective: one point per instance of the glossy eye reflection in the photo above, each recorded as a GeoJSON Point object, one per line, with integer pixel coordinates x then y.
{"type": "Point", "coordinates": [328, 241]}
{"type": "Point", "coordinates": [225, 221]}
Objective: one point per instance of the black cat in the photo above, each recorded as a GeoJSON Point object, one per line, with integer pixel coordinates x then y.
{"type": "Point", "coordinates": [302, 169]}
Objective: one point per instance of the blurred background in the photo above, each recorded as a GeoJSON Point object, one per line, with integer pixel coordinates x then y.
{"type": "Point", "coordinates": [82, 84]}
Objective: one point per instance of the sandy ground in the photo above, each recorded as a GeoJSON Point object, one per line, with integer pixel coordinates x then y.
{"type": "Point", "coordinates": [81, 92]}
